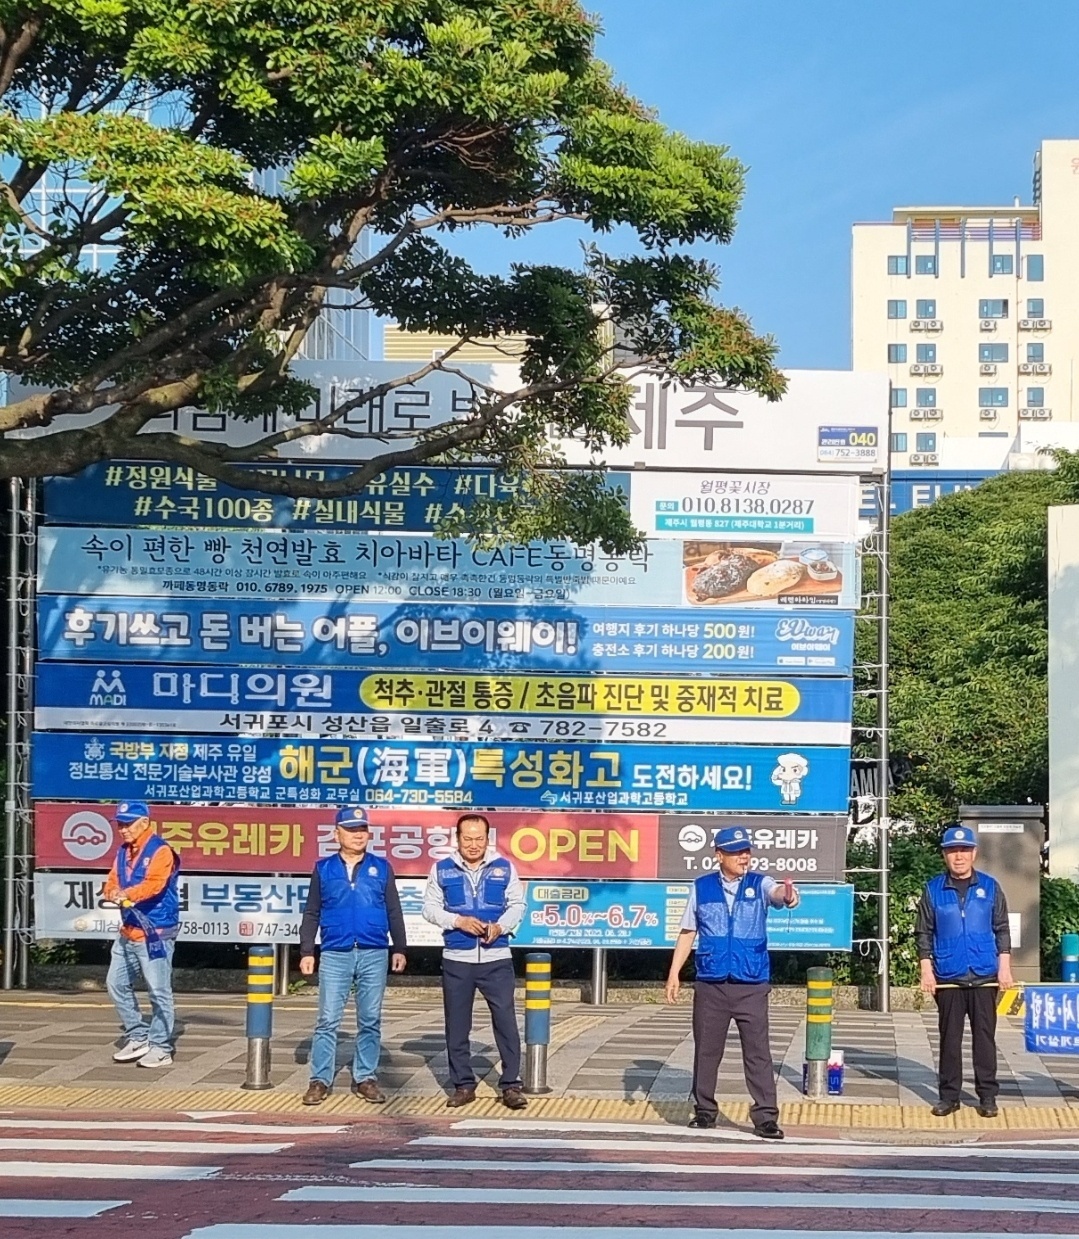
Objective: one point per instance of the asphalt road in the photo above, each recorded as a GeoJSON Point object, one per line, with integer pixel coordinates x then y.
{"type": "Point", "coordinates": [236, 1176]}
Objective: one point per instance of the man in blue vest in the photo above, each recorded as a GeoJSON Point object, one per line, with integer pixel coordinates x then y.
{"type": "Point", "coordinates": [965, 949]}
{"type": "Point", "coordinates": [144, 883]}
{"type": "Point", "coordinates": [353, 905]}
{"type": "Point", "coordinates": [476, 898]}
{"type": "Point", "coordinates": [727, 914]}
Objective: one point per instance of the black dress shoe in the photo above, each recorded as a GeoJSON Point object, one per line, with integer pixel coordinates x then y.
{"type": "Point", "coordinates": [769, 1131]}
{"type": "Point", "coordinates": [988, 1109]}
{"type": "Point", "coordinates": [703, 1121]}
{"type": "Point", "coordinates": [943, 1108]}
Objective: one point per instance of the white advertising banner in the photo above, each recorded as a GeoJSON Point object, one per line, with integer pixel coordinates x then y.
{"type": "Point", "coordinates": [1064, 692]}
{"type": "Point", "coordinates": [829, 421]}
{"type": "Point", "coordinates": [769, 506]}
{"type": "Point", "coordinates": [214, 907]}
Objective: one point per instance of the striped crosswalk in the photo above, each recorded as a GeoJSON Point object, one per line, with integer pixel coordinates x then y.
{"type": "Point", "coordinates": [234, 1178]}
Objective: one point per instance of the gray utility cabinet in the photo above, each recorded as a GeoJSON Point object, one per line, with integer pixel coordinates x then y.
{"type": "Point", "coordinates": [1010, 842]}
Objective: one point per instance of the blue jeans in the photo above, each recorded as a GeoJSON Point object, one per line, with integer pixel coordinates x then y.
{"type": "Point", "coordinates": [338, 972]}
{"type": "Point", "coordinates": [128, 960]}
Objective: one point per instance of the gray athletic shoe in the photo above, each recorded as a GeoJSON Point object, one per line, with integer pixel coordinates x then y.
{"type": "Point", "coordinates": [156, 1057]}
{"type": "Point", "coordinates": [131, 1050]}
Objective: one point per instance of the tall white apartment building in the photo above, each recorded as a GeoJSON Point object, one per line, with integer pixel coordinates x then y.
{"type": "Point", "coordinates": [973, 311]}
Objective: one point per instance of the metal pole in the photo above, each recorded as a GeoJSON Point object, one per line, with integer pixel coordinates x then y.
{"type": "Point", "coordinates": [260, 987]}
{"type": "Point", "coordinates": [883, 822]}
{"type": "Point", "coordinates": [537, 1020]}
{"type": "Point", "coordinates": [599, 977]}
{"type": "Point", "coordinates": [11, 746]}
{"type": "Point", "coordinates": [818, 1030]}
{"type": "Point", "coordinates": [28, 644]}
{"type": "Point", "coordinates": [280, 964]}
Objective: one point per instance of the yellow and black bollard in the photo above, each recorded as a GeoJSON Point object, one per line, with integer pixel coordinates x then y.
{"type": "Point", "coordinates": [537, 1020]}
{"type": "Point", "coordinates": [260, 987]}
{"type": "Point", "coordinates": [818, 1030]}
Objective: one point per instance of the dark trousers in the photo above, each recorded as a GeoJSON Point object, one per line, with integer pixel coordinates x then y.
{"type": "Point", "coordinates": [956, 1005]}
{"type": "Point", "coordinates": [495, 982]}
{"type": "Point", "coordinates": [715, 1004]}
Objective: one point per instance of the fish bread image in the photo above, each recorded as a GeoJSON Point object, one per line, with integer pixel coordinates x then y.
{"type": "Point", "coordinates": [726, 576]}
{"type": "Point", "coordinates": [774, 578]}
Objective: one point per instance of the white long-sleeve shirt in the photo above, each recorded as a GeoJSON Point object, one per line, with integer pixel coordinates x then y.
{"type": "Point", "coordinates": [434, 910]}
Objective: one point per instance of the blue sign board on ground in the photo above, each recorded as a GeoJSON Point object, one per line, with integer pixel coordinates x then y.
{"type": "Point", "coordinates": [648, 914]}
{"type": "Point", "coordinates": [1052, 1019]}
{"type": "Point", "coordinates": [183, 769]}
{"type": "Point", "coordinates": [406, 500]}
{"type": "Point", "coordinates": [387, 568]}
{"type": "Point", "coordinates": [296, 633]}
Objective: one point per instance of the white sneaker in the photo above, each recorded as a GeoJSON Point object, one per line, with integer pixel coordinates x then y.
{"type": "Point", "coordinates": [130, 1051]}
{"type": "Point", "coordinates": [156, 1057]}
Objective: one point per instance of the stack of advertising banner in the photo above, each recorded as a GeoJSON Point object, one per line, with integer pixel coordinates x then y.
{"type": "Point", "coordinates": [249, 663]}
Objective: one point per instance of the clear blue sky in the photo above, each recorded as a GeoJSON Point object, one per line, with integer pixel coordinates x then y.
{"type": "Point", "coordinates": [841, 109]}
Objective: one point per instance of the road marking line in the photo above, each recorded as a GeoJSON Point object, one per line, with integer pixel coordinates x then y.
{"type": "Point", "coordinates": [436, 1165]}
{"type": "Point", "coordinates": [106, 1170]}
{"type": "Point", "coordinates": [217, 1147]}
{"type": "Point", "coordinates": [58, 1208]}
{"type": "Point", "coordinates": [787, 1149]}
{"type": "Point", "coordinates": [413, 1194]}
{"type": "Point", "coordinates": [313, 1230]}
{"type": "Point", "coordinates": [253, 1129]}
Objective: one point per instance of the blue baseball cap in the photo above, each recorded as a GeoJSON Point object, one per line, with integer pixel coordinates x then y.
{"type": "Point", "coordinates": [958, 837]}
{"type": "Point", "coordinates": [131, 811]}
{"type": "Point", "coordinates": [733, 839]}
{"type": "Point", "coordinates": [352, 818]}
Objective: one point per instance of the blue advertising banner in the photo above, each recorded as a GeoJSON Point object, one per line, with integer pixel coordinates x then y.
{"type": "Point", "coordinates": [394, 705]}
{"type": "Point", "coordinates": [294, 633]}
{"type": "Point", "coordinates": [183, 769]}
{"type": "Point", "coordinates": [384, 567]}
{"type": "Point", "coordinates": [920, 488]}
{"type": "Point", "coordinates": [1052, 1019]}
{"type": "Point", "coordinates": [407, 500]}
{"type": "Point", "coordinates": [252, 907]}
{"type": "Point", "coordinates": [642, 915]}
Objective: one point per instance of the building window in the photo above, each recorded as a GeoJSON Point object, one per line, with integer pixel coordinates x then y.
{"type": "Point", "coordinates": [993, 307]}
{"type": "Point", "coordinates": [927, 353]}
{"type": "Point", "coordinates": [926, 397]}
{"type": "Point", "coordinates": [925, 264]}
{"type": "Point", "coordinates": [899, 441]}
{"type": "Point", "coordinates": [897, 352]}
{"type": "Point", "coordinates": [897, 264]}
{"type": "Point", "coordinates": [992, 352]}
{"type": "Point", "coordinates": [899, 397]}
{"type": "Point", "coordinates": [993, 397]}
{"type": "Point", "coordinates": [1002, 265]}
{"type": "Point", "coordinates": [925, 308]}
{"type": "Point", "coordinates": [1036, 397]}
{"type": "Point", "coordinates": [926, 441]}
{"type": "Point", "coordinates": [1036, 352]}
{"type": "Point", "coordinates": [1035, 307]}
{"type": "Point", "coordinates": [897, 309]}
{"type": "Point", "coordinates": [1035, 267]}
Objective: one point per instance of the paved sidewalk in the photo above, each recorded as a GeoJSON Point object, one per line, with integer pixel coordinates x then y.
{"type": "Point", "coordinates": [615, 1053]}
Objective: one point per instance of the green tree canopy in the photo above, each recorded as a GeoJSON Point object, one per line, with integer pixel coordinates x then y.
{"type": "Point", "coordinates": [254, 162]}
{"type": "Point", "coordinates": [969, 644]}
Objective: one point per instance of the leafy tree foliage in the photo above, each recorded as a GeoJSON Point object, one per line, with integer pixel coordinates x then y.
{"type": "Point", "coordinates": [243, 155]}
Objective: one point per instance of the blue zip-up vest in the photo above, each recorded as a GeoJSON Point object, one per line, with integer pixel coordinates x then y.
{"type": "Point", "coordinates": [963, 938]}
{"type": "Point", "coordinates": [163, 910]}
{"type": "Point", "coordinates": [354, 913]}
{"type": "Point", "coordinates": [731, 946]}
{"type": "Point", "coordinates": [486, 900]}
